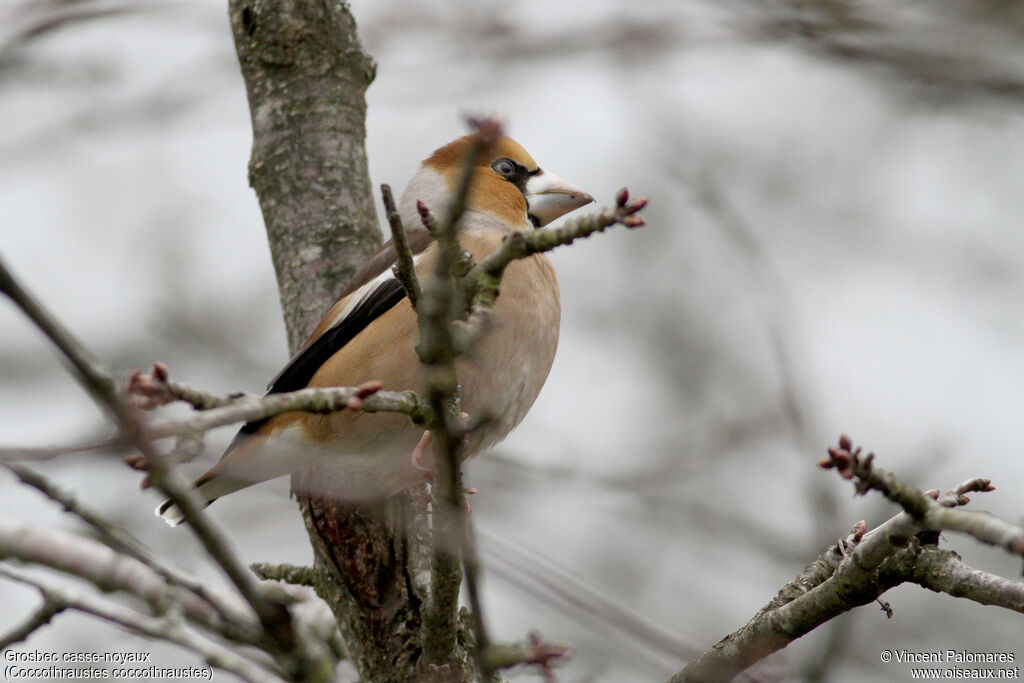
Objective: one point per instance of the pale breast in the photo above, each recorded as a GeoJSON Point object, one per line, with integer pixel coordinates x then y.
{"type": "Point", "coordinates": [499, 380]}
{"type": "Point", "coordinates": [502, 377]}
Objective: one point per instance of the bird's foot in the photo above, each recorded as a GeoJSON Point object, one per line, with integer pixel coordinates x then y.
{"type": "Point", "coordinates": [417, 456]}
{"type": "Point", "coordinates": [467, 491]}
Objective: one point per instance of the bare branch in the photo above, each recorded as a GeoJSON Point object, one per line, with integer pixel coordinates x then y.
{"type": "Point", "coordinates": [929, 512]}
{"type": "Point", "coordinates": [522, 244]}
{"type": "Point", "coordinates": [289, 573]}
{"type": "Point", "coordinates": [944, 572]}
{"type": "Point", "coordinates": [169, 628]}
{"type": "Point", "coordinates": [317, 400]}
{"type": "Point", "coordinates": [117, 539]}
{"type": "Point", "coordinates": [860, 569]}
{"type": "Point", "coordinates": [111, 535]}
{"type": "Point", "coordinates": [111, 571]}
{"type": "Point", "coordinates": [303, 659]}
{"type": "Point", "coordinates": [148, 391]}
{"type": "Point", "coordinates": [90, 373]}
{"type": "Point", "coordinates": [99, 384]}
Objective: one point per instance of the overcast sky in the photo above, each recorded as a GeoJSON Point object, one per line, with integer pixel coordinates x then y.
{"type": "Point", "coordinates": [834, 244]}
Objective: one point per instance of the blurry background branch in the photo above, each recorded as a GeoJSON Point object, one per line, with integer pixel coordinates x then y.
{"type": "Point", "coordinates": [29, 19]}
{"type": "Point", "coordinates": [167, 626]}
{"type": "Point", "coordinates": [938, 48]}
{"type": "Point", "coordinates": [111, 571]}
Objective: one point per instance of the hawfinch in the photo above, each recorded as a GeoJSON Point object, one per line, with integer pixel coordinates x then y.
{"type": "Point", "coordinates": [371, 334]}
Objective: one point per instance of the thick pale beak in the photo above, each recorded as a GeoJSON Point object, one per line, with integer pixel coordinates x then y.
{"type": "Point", "coordinates": [549, 197]}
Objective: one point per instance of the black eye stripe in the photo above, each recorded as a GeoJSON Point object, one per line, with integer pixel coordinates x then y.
{"type": "Point", "coordinates": [519, 174]}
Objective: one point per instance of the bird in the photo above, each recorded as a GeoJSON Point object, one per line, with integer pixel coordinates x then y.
{"type": "Point", "coordinates": [371, 333]}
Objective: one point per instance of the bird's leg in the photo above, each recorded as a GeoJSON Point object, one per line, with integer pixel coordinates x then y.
{"type": "Point", "coordinates": [421, 448]}
{"type": "Point", "coordinates": [426, 470]}
{"type": "Point", "coordinates": [417, 456]}
{"type": "Point", "coordinates": [467, 491]}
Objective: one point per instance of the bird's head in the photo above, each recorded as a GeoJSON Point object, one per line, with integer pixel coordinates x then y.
{"type": "Point", "coordinates": [507, 185]}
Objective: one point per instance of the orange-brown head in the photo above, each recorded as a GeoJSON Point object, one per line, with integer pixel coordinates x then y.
{"type": "Point", "coordinates": [509, 190]}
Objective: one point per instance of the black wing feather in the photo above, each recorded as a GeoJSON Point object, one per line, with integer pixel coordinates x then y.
{"type": "Point", "coordinates": [297, 374]}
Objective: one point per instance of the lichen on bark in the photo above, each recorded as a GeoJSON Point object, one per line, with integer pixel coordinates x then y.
{"type": "Point", "coordinates": [306, 75]}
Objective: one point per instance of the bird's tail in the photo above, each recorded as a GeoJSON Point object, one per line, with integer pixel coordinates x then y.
{"type": "Point", "coordinates": [363, 475]}
{"type": "Point", "coordinates": [247, 462]}
{"type": "Point", "coordinates": [206, 487]}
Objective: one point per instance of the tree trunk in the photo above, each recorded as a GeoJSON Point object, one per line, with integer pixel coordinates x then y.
{"type": "Point", "coordinates": [306, 75]}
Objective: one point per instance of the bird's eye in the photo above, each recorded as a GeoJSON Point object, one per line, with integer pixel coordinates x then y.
{"type": "Point", "coordinates": [505, 167]}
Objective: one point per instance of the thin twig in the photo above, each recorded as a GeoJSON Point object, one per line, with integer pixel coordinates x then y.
{"type": "Point", "coordinates": [930, 512]}
{"type": "Point", "coordinates": [111, 535]}
{"type": "Point", "coordinates": [148, 390]}
{"type": "Point", "coordinates": [481, 284]}
{"type": "Point", "coordinates": [440, 306]}
{"type": "Point", "coordinates": [535, 652]}
{"type": "Point", "coordinates": [151, 390]}
{"type": "Point", "coordinates": [403, 268]}
{"type": "Point", "coordinates": [316, 400]}
{"type": "Point", "coordinates": [87, 369]}
{"type": "Point", "coordinates": [35, 454]}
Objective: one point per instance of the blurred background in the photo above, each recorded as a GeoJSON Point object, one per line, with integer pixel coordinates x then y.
{"type": "Point", "coordinates": [834, 244]}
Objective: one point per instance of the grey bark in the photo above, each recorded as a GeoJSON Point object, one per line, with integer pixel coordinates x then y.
{"type": "Point", "coordinates": [306, 75]}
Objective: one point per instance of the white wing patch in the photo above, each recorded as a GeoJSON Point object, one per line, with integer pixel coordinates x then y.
{"type": "Point", "coordinates": [358, 296]}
